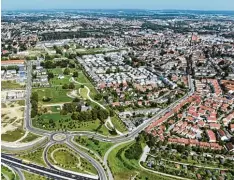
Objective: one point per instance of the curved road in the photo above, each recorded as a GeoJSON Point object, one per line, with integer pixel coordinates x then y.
{"type": "Point", "coordinates": [118, 139]}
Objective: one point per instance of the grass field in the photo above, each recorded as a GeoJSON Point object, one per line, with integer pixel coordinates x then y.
{"type": "Point", "coordinates": [62, 156]}
{"type": "Point", "coordinates": [11, 85]}
{"type": "Point", "coordinates": [30, 137]}
{"type": "Point", "coordinates": [11, 136]}
{"type": "Point", "coordinates": [119, 125]}
{"type": "Point", "coordinates": [57, 94]}
{"type": "Point", "coordinates": [31, 176]}
{"type": "Point", "coordinates": [64, 122]}
{"type": "Point", "coordinates": [123, 168]}
{"type": "Point", "coordinates": [97, 146]}
{"type": "Point", "coordinates": [83, 93]}
{"type": "Point", "coordinates": [8, 173]}
{"type": "Point", "coordinates": [35, 157]}
{"type": "Point", "coordinates": [83, 79]}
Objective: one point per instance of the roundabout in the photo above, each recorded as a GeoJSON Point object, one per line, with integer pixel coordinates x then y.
{"type": "Point", "coordinates": [59, 137]}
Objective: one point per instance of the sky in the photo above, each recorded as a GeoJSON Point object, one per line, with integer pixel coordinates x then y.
{"type": "Point", "coordinates": [119, 4]}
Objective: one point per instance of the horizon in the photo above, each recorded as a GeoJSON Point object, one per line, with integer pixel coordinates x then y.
{"type": "Point", "coordinates": [140, 9]}
{"type": "Point", "coordinates": [199, 5]}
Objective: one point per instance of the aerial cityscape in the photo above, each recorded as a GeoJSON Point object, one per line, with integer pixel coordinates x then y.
{"type": "Point", "coordinates": [117, 94]}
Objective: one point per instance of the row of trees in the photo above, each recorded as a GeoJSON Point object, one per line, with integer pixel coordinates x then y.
{"type": "Point", "coordinates": [34, 103]}
{"type": "Point", "coordinates": [93, 114]}
{"type": "Point", "coordinates": [50, 64]}
{"type": "Point", "coordinates": [77, 114]}
{"type": "Point", "coordinates": [68, 86]}
{"type": "Point", "coordinates": [10, 68]}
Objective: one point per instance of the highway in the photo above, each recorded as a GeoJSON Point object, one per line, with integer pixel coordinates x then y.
{"type": "Point", "coordinates": [52, 173]}
{"type": "Point", "coordinates": [19, 172]}
{"type": "Point", "coordinates": [82, 154]}
{"type": "Point", "coordinates": [95, 163]}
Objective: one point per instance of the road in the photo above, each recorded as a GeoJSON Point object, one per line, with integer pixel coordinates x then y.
{"type": "Point", "coordinates": [103, 107]}
{"type": "Point", "coordinates": [110, 176]}
{"type": "Point", "coordinates": [117, 139]}
{"type": "Point", "coordinates": [95, 163]}
{"type": "Point", "coordinates": [19, 172]}
{"type": "Point", "coordinates": [52, 166]}
{"type": "Point", "coordinates": [51, 173]}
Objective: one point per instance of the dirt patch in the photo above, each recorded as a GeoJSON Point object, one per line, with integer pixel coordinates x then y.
{"type": "Point", "coordinates": [11, 118]}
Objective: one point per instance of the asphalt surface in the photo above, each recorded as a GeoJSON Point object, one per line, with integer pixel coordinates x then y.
{"type": "Point", "coordinates": [19, 172]}
{"type": "Point", "coordinates": [95, 163]}
{"type": "Point", "coordinates": [52, 173]}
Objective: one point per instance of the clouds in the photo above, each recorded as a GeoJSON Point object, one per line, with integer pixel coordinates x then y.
{"type": "Point", "coordinates": [119, 4]}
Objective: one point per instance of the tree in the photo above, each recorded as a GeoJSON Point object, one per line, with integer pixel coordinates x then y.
{"type": "Point", "coordinates": [71, 86]}
{"type": "Point", "coordinates": [65, 86]}
{"type": "Point", "coordinates": [50, 75]}
{"type": "Point", "coordinates": [94, 114]}
{"type": "Point", "coordinates": [33, 113]}
{"type": "Point", "coordinates": [34, 96]}
{"type": "Point", "coordinates": [102, 114]}
{"type": "Point", "coordinates": [112, 112]}
{"type": "Point", "coordinates": [74, 116]}
{"type": "Point", "coordinates": [98, 97]}
{"type": "Point", "coordinates": [108, 71]}
{"type": "Point", "coordinates": [76, 100]}
{"type": "Point", "coordinates": [49, 64]}
{"type": "Point", "coordinates": [75, 74]}
{"type": "Point", "coordinates": [66, 71]}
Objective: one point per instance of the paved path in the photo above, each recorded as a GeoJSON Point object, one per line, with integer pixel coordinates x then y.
{"type": "Point", "coordinates": [103, 107]}
{"type": "Point", "coordinates": [187, 164]}
{"type": "Point", "coordinates": [20, 139]}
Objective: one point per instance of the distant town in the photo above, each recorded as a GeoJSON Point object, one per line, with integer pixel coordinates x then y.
{"type": "Point", "coordinates": [117, 94]}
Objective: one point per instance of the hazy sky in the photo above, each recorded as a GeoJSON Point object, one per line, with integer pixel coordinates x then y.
{"type": "Point", "coordinates": [119, 4]}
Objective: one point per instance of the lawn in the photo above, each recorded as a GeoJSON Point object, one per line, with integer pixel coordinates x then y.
{"type": "Point", "coordinates": [119, 125]}
{"type": "Point", "coordinates": [66, 123]}
{"type": "Point", "coordinates": [11, 85]}
{"type": "Point", "coordinates": [83, 79]}
{"type": "Point", "coordinates": [7, 172]}
{"type": "Point", "coordinates": [35, 157]}
{"type": "Point", "coordinates": [83, 93]}
{"type": "Point", "coordinates": [97, 146]}
{"type": "Point", "coordinates": [55, 109]}
{"type": "Point", "coordinates": [64, 157]}
{"type": "Point", "coordinates": [31, 176]}
{"type": "Point", "coordinates": [56, 81]}
{"type": "Point", "coordinates": [30, 137]}
{"type": "Point", "coordinates": [11, 136]}
{"type": "Point", "coordinates": [123, 168]}
{"type": "Point", "coordinates": [59, 71]}
{"type": "Point", "coordinates": [57, 94]}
